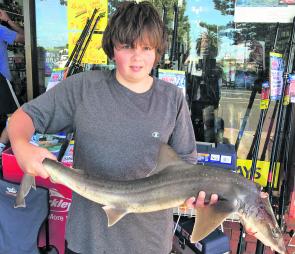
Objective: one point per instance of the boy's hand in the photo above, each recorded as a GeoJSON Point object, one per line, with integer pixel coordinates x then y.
{"type": "Point", "coordinates": [30, 158]}
{"type": "Point", "coordinates": [199, 201]}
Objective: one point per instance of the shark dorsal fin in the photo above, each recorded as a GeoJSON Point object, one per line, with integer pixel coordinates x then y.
{"type": "Point", "coordinates": [167, 157]}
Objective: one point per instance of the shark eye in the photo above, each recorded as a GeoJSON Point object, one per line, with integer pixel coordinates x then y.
{"type": "Point", "coordinates": [275, 232]}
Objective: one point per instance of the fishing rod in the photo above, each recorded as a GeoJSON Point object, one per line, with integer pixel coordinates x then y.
{"type": "Point", "coordinates": [88, 40]}
{"type": "Point", "coordinates": [257, 134]}
{"type": "Point", "coordinates": [259, 245]}
{"type": "Point", "coordinates": [74, 65]}
{"type": "Point", "coordinates": [271, 124]}
{"type": "Point", "coordinates": [256, 142]}
{"type": "Point", "coordinates": [279, 140]}
{"type": "Point", "coordinates": [263, 112]}
{"type": "Point", "coordinates": [285, 164]}
{"type": "Point", "coordinates": [281, 112]}
{"type": "Point", "coordinates": [264, 85]}
{"type": "Point", "coordinates": [246, 117]}
{"type": "Point", "coordinates": [82, 37]}
{"type": "Point", "coordinates": [289, 119]}
{"type": "Point", "coordinates": [273, 116]}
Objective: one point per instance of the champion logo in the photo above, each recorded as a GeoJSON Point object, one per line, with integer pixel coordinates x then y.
{"type": "Point", "coordinates": [11, 191]}
{"type": "Point", "coordinates": [156, 134]}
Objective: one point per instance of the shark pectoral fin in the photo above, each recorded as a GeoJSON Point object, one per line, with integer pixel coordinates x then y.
{"type": "Point", "coordinates": [27, 182]}
{"type": "Point", "coordinates": [208, 218]}
{"type": "Point", "coordinates": [114, 214]}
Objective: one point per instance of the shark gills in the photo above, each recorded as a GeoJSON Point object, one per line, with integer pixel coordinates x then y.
{"type": "Point", "coordinates": [172, 183]}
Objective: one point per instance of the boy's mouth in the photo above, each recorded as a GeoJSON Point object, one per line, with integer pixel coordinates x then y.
{"type": "Point", "coordinates": [135, 68]}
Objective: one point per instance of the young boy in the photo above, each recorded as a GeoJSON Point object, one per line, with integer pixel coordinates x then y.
{"type": "Point", "coordinates": [117, 117]}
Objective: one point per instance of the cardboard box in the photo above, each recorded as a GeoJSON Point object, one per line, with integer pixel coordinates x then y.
{"type": "Point", "coordinates": [60, 201]}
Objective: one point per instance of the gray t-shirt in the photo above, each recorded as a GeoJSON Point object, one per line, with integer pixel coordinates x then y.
{"type": "Point", "coordinates": [116, 135]}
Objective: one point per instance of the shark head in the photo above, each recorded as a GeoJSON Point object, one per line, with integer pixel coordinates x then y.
{"type": "Point", "coordinates": [260, 219]}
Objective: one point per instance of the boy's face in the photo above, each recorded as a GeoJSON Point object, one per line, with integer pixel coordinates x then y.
{"type": "Point", "coordinates": [134, 63]}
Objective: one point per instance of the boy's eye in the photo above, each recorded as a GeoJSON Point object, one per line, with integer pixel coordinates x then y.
{"type": "Point", "coordinates": [147, 48]}
{"type": "Point", "coordinates": [126, 46]}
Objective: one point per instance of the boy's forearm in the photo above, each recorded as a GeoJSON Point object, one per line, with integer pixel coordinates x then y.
{"type": "Point", "coordinates": [20, 128]}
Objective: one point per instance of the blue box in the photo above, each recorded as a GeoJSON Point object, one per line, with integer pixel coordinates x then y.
{"type": "Point", "coordinates": [219, 155]}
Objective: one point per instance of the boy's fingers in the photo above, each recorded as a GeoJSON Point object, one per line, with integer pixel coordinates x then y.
{"type": "Point", "coordinates": [200, 199]}
{"type": "Point", "coordinates": [213, 199]}
{"type": "Point", "coordinates": [189, 203]}
{"type": "Point", "coordinates": [191, 200]}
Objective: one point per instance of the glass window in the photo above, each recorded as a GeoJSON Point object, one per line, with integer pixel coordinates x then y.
{"type": "Point", "coordinates": [224, 61]}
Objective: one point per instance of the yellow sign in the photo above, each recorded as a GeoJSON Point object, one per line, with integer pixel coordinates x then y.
{"type": "Point", "coordinates": [275, 54]}
{"type": "Point", "coordinates": [264, 104]}
{"type": "Point", "coordinates": [94, 53]}
{"type": "Point", "coordinates": [286, 100]}
{"type": "Point", "coordinates": [80, 10]}
{"type": "Point", "coordinates": [78, 13]}
{"type": "Point", "coordinates": [287, 97]}
{"type": "Point", "coordinates": [261, 174]}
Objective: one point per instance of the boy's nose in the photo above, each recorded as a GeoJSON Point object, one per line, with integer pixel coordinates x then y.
{"type": "Point", "coordinates": [136, 51]}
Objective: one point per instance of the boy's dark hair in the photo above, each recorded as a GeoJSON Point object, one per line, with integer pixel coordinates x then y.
{"type": "Point", "coordinates": [135, 22]}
